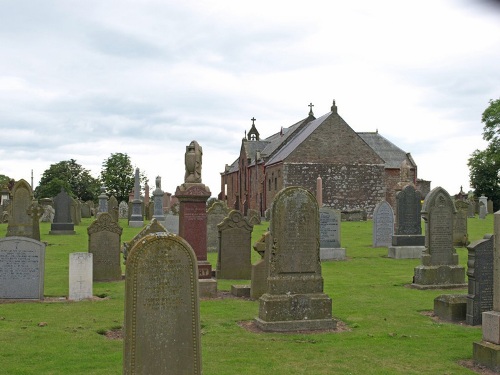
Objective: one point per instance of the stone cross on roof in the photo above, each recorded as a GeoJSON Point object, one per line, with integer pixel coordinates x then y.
{"type": "Point", "coordinates": [311, 109]}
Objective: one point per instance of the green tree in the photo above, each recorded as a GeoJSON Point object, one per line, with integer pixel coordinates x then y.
{"type": "Point", "coordinates": [491, 120]}
{"type": "Point", "coordinates": [117, 174]}
{"type": "Point", "coordinates": [4, 180]}
{"type": "Point", "coordinates": [70, 176]}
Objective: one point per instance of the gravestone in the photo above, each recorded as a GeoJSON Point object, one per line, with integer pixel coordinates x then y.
{"type": "Point", "coordinates": [258, 285]}
{"type": "Point", "coordinates": [329, 235]}
{"type": "Point", "coordinates": [80, 276]}
{"type": "Point", "coordinates": [482, 210]}
{"type": "Point", "coordinates": [103, 201]}
{"type": "Point", "coordinates": [253, 217]}
{"type": "Point", "coordinates": [22, 268]}
{"type": "Point", "coordinates": [123, 210]}
{"type": "Point", "coordinates": [153, 227]}
{"type": "Point", "coordinates": [85, 210]}
{"type": "Point", "coordinates": [62, 223]}
{"type": "Point", "coordinates": [480, 275]}
{"type": "Point", "coordinates": [383, 225]}
{"type": "Point", "coordinates": [471, 211]}
{"type": "Point", "coordinates": [408, 242]}
{"type": "Point", "coordinates": [35, 211]}
{"type": "Point", "coordinates": [21, 221]}
{"type": "Point", "coordinates": [294, 299]}
{"type": "Point", "coordinates": [439, 267]}
{"type": "Point", "coordinates": [235, 240]}
{"type": "Point", "coordinates": [75, 212]}
{"type": "Point", "coordinates": [104, 243]}
{"type": "Point", "coordinates": [162, 318]}
{"type": "Point", "coordinates": [489, 206]}
{"type": "Point", "coordinates": [136, 210]}
{"type": "Point", "coordinates": [113, 207]}
{"type": "Point", "coordinates": [48, 214]}
{"type": "Point", "coordinates": [158, 201]}
{"type": "Point", "coordinates": [460, 234]}
{"type": "Point", "coordinates": [215, 215]}
{"type": "Point", "coordinates": [484, 201]}
{"type": "Point", "coordinates": [487, 352]}
{"type": "Point", "coordinates": [171, 223]}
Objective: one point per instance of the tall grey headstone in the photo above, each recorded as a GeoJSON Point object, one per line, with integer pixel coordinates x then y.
{"type": "Point", "coordinates": [172, 223]}
{"type": "Point", "coordinates": [329, 234]}
{"type": "Point", "coordinates": [80, 276]}
{"type": "Point", "coordinates": [258, 285]}
{"type": "Point", "coordinates": [480, 276]}
{"type": "Point", "coordinates": [104, 243]}
{"type": "Point", "coordinates": [22, 268]}
{"type": "Point", "coordinates": [162, 318]}
{"type": "Point", "coordinates": [103, 200]}
{"type": "Point", "coordinates": [294, 299]}
{"type": "Point", "coordinates": [482, 210]}
{"type": "Point", "coordinates": [215, 215]}
{"type": "Point", "coordinates": [62, 223]}
{"type": "Point", "coordinates": [383, 225]}
{"type": "Point", "coordinates": [484, 201]}
{"type": "Point", "coordinates": [235, 239]}
{"type": "Point", "coordinates": [158, 201]}
{"type": "Point", "coordinates": [460, 233]}
{"type": "Point", "coordinates": [439, 267]}
{"type": "Point", "coordinates": [113, 207]}
{"type": "Point", "coordinates": [85, 210]}
{"type": "Point", "coordinates": [21, 220]}
{"type": "Point", "coordinates": [137, 213]}
{"type": "Point", "coordinates": [123, 210]}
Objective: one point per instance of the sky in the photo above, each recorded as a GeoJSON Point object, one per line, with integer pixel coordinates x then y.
{"type": "Point", "coordinates": [86, 79]}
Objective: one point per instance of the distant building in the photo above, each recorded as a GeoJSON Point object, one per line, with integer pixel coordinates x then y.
{"type": "Point", "coordinates": [358, 169]}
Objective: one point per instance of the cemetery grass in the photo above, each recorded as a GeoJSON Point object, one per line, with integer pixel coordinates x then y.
{"type": "Point", "coordinates": [387, 326]}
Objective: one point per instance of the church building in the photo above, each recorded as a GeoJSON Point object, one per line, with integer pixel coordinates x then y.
{"type": "Point", "coordinates": [358, 170]}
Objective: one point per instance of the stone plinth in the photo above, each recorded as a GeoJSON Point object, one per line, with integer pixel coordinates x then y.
{"type": "Point", "coordinates": [333, 253]}
{"type": "Point", "coordinates": [451, 307]}
{"type": "Point", "coordinates": [405, 252]}
{"type": "Point", "coordinates": [439, 277]}
{"type": "Point", "coordinates": [487, 354]}
{"type": "Point", "coordinates": [240, 290]}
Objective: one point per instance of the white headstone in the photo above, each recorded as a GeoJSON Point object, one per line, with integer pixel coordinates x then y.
{"type": "Point", "coordinates": [80, 276]}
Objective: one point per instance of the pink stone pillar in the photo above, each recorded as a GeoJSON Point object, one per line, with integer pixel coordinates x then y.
{"type": "Point", "coordinates": [319, 191]}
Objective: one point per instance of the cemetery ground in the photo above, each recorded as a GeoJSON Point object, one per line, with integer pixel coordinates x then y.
{"type": "Point", "coordinates": [386, 325]}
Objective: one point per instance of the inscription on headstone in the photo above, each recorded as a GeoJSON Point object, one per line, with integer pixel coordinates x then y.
{"type": "Point", "coordinates": [383, 225]}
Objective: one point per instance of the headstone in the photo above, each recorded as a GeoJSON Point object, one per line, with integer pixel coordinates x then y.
{"type": "Point", "coordinates": [62, 223]}
{"type": "Point", "coordinates": [193, 196]}
{"type": "Point", "coordinates": [75, 212]}
{"type": "Point", "coordinates": [319, 191]}
{"type": "Point", "coordinates": [113, 207]}
{"type": "Point", "coordinates": [408, 242]}
{"type": "Point", "coordinates": [104, 243]}
{"type": "Point", "coordinates": [48, 214]}
{"type": "Point", "coordinates": [162, 318]}
{"type": "Point", "coordinates": [172, 223]}
{"type": "Point", "coordinates": [22, 268]}
{"type": "Point", "coordinates": [471, 211]}
{"type": "Point", "coordinates": [482, 211]}
{"type": "Point", "coordinates": [483, 201]}
{"type": "Point", "coordinates": [103, 200]}
{"type": "Point", "coordinates": [21, 222]}
{"type": "Point", "coordinates": [136, 212]}
{"type": "Point", "coordinates": [86, 213]}
{"type": "Point", "coordinates": [150, 210]}
{"type": "Point", "coordinates": [158, 201]}
{"type": "Point", "coordinates": [294, 299]}
{"type": "Point", "coordinates": [487, 352]}
{"type": "Point", "coordinates": [253, 217]}
{"type": "Point", "coordinates": [439, 267]}
{"type": "Point", "coordinates": [153, 227]}
{"type": "Point", "coordinates": [80, 276]}
{"type": "Point", "coordinates": [489, 206]}
{"type": "Point", "coordinates": [215, 215]}
{"type": "Point", "coordinates": [329, 235]}
{"type": "Point", "coordinates": [35, 211]}
{"type": "Point", "coordinates": [460, 234]}
{"type": "Point", "coordinates": [235, 236]}
{"type": "Point", "coordinates": [383, 225]}
{"type": "Point", "coordinates": [258, 285]}
{"type": "Point", "coordinates": [123, 210]}
{"type": "Point", "coordinates": [480, 276]}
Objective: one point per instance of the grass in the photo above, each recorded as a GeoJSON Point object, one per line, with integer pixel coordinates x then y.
{"type": "Point", "coordinates": [387, 333]}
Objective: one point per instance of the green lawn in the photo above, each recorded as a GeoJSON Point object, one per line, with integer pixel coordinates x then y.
{"type": "Point", "coordinates": [387, 332]}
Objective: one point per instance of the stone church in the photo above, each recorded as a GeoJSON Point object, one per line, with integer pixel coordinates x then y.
{"type": "Point", "coordinates": [358, 170]}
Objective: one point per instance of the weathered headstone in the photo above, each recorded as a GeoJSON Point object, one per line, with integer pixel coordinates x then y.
{"type": "Point", "coordinates": [104, 243]}
{"type": "Point", "coordinates": [22, 268]}
{"type": "Point", "coordinates": [136, 210]}
{"type": "Point", "coordinates": [162, 318]}
{"type": "Point", "coordinates": [123, 210]}
{"type": "Point", "coordinates": [62, 223]}
{"type": "Point", "coordinates": [383, 225]}
{"type": "Point", "coordinates": [489, 206]}
{"type": "Point", "coordinates": [253, 217]}
{"type": "Point", "coordinates": [158, 201]}
{"type": "Point", "coordinates": [329, 234]}
{"type": "Point", "coordinates": [21, 222]}
{"type": "Point", "coordinates": [258, 285]}
{"type": "Point", "coordinates": [235, 239]}
{"type": "Point", "coordinates": [80, 276]}
{"type": "Point", "coordinates": [85, 210]}
{"type": "Point", "coordinates": [480, 276]}
{"type": "Point", "coordinates": [294, 299]}
{"type": "Point", "coordinates": [113, 207]}
{"type": "Point", "coordinates": [48, 214]}
{"type": "Point", "coordinates": [471, 211]}
{"type": "Point", "coordinates": [408, 242]}
{"type": "Point", "coordinates": [439, 268]}
{"type": "Point", "coordinates": [482, 210]}
{"type": "Point", "coordinates": [484, 201]}
{"type": "Point", "coordinates": [215, 214]}
{"type": "Point", "coordinates": [75, 212]}
{"type": "Point", "coordinates": [460, 234]}
{"type": "Point", "coordinates": [153, 227]}
{"type": "Point", "coordinates": [171, 223]}
{"type": "Point", "coordinates": [103, 201]}
{"type": "Point", "coordinates": [487, 352]}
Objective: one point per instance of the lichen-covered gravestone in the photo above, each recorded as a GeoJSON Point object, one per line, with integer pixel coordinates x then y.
{"type": "Point", "coordinates": [162, 319]}
{"type": "Point", "coordinates": [294, 299]}
{"type": "Point", "coordinates": [104, 243]}
{"type": "Point", "coordinates": [153, 227]}
{"type": "Point", "coordinates": [439, 268]}
{"type": "Point", "coordinates": [460, 234]}
{"type": "Point", "coordinates": [260, 268]}
{"type": "Point", "coordinates": [21, 221]}
{"type": "Point", "coordinates": [215, 215]}
{"type": "Point", "coordinates": [383, 225]}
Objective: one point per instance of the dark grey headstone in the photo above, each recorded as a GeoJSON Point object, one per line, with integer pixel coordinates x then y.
{"type": "Point", "coordinates": [329, 228]}
{"type": "Point", "coordinates": [408, 220]}
{"type": "Point", "coordinates": [22, 268]}
{"type": "Point", "coordinates": [62, 223]}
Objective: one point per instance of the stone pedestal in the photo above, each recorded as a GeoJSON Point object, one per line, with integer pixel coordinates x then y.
{"type": "Point", "coordinates": [487, 354]}
{"type": "Point", "coordinates": [326, 254]}
{"type": "Point", "coordinates": [136, 219]}
{"type": "Point", "coordinates": [62, 228]}
{"type": "Point", "coordinates": [405, 252]}
{"type": "Point", "coordinates": [451, 307]}
{"type": "Point", "coordinates": [240, 290]}
{"type": "Point", "coordinates": [439, 277]}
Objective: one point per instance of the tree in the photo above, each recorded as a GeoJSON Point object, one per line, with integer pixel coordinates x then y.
{"type": "Point", "coordinates": [117, 174]}
{"type": "Point", "coordinates": [491, 120]}
{"type": "Point", "coordinates": [70, 176]}
{"type": "Point", "coordinates": [4, 180]}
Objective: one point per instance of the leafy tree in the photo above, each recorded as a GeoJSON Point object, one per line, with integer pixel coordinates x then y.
{"type": "Point", "coordinates": [71, 176]}
{"type": "Point", "coordinates": [491, 120]}
{"type": "Point", "coordinates": [117, 174]}
{"type": "Point", "coordinates": [4, 180]}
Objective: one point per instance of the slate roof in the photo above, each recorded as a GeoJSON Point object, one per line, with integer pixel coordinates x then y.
{"type": "Point", "coordinates": [388, 151]}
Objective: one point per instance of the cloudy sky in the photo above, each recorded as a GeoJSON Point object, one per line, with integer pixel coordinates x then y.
{"type": "Point", "coordinates": [85, 79]}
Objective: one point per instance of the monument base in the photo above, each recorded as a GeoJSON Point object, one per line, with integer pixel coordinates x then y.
{"type": "Point", "coordinates": [486, 354]}
{"type": "Point", "coordinates": [296, 325]}
{"type": "Point", "coordinates": [207, 288]}
{"type": "Point", "coordinates": [491, 327]}
{"type": "Point", "coordinates": [62, 228]}
{"type": "Point", "coordinates": [408, 240]}
{"type": "Point", "coordinates": [135, 224]}
{"type": "Point", "coordinates": [439, 277]}
{"type": "Point", "coordinates": [240, 290]}
{"type": "Point", "coordinates": [451, 307]}
{"type": "Point", "coordinates": [405, 252]}
{"type": "Point", "coordinates": [330, 253]}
